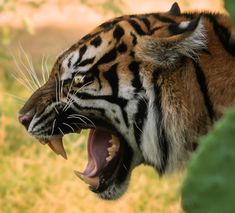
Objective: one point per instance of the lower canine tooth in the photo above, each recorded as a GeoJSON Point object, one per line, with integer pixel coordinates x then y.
{"type": "Point", "coordinates": [94, 181]}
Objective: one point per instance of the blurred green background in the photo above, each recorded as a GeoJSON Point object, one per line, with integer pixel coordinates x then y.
{"type": "Point", "coordinates": [33, 179]}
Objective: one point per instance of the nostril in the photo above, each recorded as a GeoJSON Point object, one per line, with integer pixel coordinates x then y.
{"type": "Point", "coordinates": [25, 119]}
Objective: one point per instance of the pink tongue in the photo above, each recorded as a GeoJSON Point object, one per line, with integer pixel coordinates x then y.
{"type": "Point", "coordinates": [98, 142]}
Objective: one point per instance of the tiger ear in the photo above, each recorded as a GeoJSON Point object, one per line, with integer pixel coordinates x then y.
{"type": "Point", "coordinates": [175, 10]}
{"type": "Point", "coordinates": [177, 40]}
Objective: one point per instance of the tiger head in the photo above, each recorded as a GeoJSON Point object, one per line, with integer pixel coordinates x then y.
{"type": "Point", "coordinates": [111, 82]}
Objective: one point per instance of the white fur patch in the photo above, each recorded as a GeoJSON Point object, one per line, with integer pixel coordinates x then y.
{"type": "Point", "coordinates": [150, 146]}
{"type": "Point", "coordinates": [73, 57]}
{"type": "Point", "coordinates": [184, 24]}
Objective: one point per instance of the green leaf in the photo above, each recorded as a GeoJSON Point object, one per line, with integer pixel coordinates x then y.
{"type": "Point", "coordinates": [230, 7]}
{"type": "Point", "coordinates": [209, 185]}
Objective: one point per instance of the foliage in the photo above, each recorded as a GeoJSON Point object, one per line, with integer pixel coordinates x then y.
{"type": "Point", "coordinates": [209, 185]}
{"type": "Point", "coordinates": [230, 6]}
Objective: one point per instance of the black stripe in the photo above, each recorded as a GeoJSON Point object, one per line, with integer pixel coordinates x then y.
{"type": "Point", "coordinates": [76, 105]}
{"type": "Point", "coordinates": [134, 67]}
{"type": "Point", "coordinates": [134, 40]}
{"type": "Point", "coordinates": [112, 78]}
{"type": "Point", "coordinates": [69, 61]}
{"type": "Point", "coordinates": [82, 51]}
{"type": "Point", "coordinates": [223, 34]}
{"type": "Point", "coordinates": [221, 31]}
{"type": "Point", "coordinates": [86, 62]}
{"type": "Point", "coordinates": [140, 118]}
{"type": "Point", "coordinates": [46, 117]}
{"type": "Point", "coordinates": [122, 48]}
{"type": "Point", "coordinates": [204, 90]}
{"type": "Point", "coordinates": [96, 73]}
{"type": "Point", "coordinates": [109, 25]}
{"type": "Point", "coordinates": [118, 33]}
{"type": "Point", "coordinates": [136, 27]}
{"type": "Point", "coordinates": [121, 102]}
{"type": "Point", "coordinates": [108, 57]}
{"type": "Point", "coordinates": [162, 138]}
{"type": "Point", "coordinates": [146, 22]}
{"type": "Point", "coordinates": [96, 42]}
{"type": "Point", "coordinates": [163, 18]}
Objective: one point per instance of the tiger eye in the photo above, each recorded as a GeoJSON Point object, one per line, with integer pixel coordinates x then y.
{"type": "Point", "coordinates": [79, 79]}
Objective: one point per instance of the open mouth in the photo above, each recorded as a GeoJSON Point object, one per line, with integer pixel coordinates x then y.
{"type": "Point", "coordinates": [106, 158]}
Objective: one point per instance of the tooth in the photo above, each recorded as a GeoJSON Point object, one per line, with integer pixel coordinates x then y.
{"type": "Point", "coordinates": [56, 145]}
{"type": "Point", "coordinates": [109, 158]}
{"type": "Point", "coordinates": [115, 140]}
{"type": "Point", "coordinates": [94, 181]}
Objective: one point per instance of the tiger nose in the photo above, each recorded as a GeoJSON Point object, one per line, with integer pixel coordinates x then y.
{"type": "Point", "coordinates": [25, 119]}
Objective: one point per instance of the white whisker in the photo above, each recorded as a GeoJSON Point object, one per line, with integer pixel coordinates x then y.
{"type": "Point", "coordinates": [79, 116]}
{"type": "Point", "coordinates": [71, 101]}
{"type": "Point", "coordinates": [30, 63]}
{"type": "Point", "coordinates": [139, 128]}
{"type": "Point", "coordinates": [43, 70]}
{"type": "Point", "coordinates": [47, 70]}
{"type": "Point", "coordinates": [22, 82]}
{"type": "Point", "coordinates": [78, 119]}
{"type": "Point", "coordinates": [53, 126]}
{"type": "Point", "coordinates": [69, 126]}
{"type": "Point", "coordinates": [15, 96]}
{"type": "Point", "coordinates": [56, 110]}
{"type": "Point", "coordinates": [61, 131]}
{"type": "Point", "coordinates": [24, 77]}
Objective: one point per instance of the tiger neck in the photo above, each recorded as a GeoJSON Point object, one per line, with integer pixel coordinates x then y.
{"type": "Point", "coordinates": [186, 102]}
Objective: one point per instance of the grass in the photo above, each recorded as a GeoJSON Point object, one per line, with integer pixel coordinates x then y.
{"type": "Point", "coordinates": [34, 179]}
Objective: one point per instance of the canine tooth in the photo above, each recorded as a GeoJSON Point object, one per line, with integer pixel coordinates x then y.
{"type": "Point", "coordinates": [109, 158]}
{"type": "Point", "coordinates": [56, 144]}
{"type": "Point", "coordinates": [94, 181]}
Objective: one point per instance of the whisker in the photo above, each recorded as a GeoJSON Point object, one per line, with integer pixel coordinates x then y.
{"type": "Point", "coordinates": [43, 70]}
{"type": "Point", "coordinates": [69, 126]}
{"type": "Point", "coordinates": [30, 63]}
{"type": "Point", "coordinates": [15, 97]}
{"type": "Point", "coordinates": [28, 71]}
{"type": "Point", "coordinates": [46, 65]}
{"type": "Point", "coordinates": [78, 119]}
{"type": "Point", "coordinates": [124, 166]}
{"type": "Point", "coordinates": [24, 76]}
{"type": "Point", "coordinates": [79, 115]}
{"type": "Point", "coordinates": [22, 83]}
{"type": "Point", "coordinates": [56, 110]}
{"type": "Point", "coordinates": [61, 131]}
{"type": "Point", "coordinates": [139, 128]}
{"type": "Point", "coordinates": [60, 87]}
{"type": "Point", "coordinates": [53, 127]}
{"type": "Point", "coordinates": [56, 93]}
{"type": "Point", "coordinates": [71, 101]}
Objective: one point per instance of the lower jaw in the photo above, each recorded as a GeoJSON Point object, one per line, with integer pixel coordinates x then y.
{"type": "Point", "coordinates": [109, 179]}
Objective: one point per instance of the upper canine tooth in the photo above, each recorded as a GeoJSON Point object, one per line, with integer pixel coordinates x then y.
{"type": "Point", "coordinates": [56, 145]}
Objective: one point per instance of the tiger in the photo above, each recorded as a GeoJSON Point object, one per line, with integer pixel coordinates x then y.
{"type": "Point", "coordinates": [146, 86]}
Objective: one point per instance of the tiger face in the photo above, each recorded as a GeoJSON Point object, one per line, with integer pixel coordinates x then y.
{"type": "Point", "coordinates": [119, 82]}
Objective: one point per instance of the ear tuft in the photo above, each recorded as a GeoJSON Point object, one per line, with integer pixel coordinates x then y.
{"type": "Point", "coordinates": [175, 10]}
{"type": "Point", "coordinates": [186, 39]}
